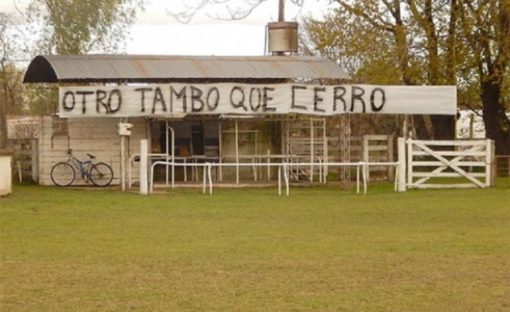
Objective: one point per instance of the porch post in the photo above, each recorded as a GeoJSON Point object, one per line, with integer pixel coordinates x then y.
{"type": "Point", "coordinates": [122, 160]}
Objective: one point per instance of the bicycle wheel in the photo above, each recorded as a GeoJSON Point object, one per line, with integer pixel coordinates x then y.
{"type": "Point", "coordinates": [62, 174]}
{"type": "Point", "coordinates": [101, 174]}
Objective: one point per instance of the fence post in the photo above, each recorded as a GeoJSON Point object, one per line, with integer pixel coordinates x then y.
{"type": "Point", "coordinates": [390, 156]}
{"type": "Point", "coordinates": [409, 165]}
{"type": "Point", "coordinates": [489, 160]}
{"type": "Point", "coordinates": [401, 165]}
{"type": "Point", "coordinates": [365, 150]}
{"type": "Point", "coordinates": [34, 144]}
{"type": "Point", "coordinates": [143, 167]}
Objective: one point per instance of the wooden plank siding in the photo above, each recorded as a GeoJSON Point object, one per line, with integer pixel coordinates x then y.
{"type": "Point", "coordinates": [96, 136]}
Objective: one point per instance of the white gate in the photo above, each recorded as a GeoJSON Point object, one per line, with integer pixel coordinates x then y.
{"type": "Point", "coordinates": [449, 164]}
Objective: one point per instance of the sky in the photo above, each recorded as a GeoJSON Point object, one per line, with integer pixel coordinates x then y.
{"type": "Point", "coordinates": [157, 32]}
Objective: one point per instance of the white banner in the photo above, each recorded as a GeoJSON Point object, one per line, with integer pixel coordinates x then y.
{"type": "Point", "coordinates": [178, 99]}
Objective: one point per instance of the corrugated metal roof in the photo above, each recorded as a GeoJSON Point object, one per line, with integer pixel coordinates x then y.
{"type": "Point", "coordinates": [143, 68]}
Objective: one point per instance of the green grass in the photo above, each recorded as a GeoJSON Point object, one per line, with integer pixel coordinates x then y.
{"type": "Point", "coordinates": [321, 249]}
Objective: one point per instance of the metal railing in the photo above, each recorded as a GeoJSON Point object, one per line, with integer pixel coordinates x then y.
{"type": "Point", "coordinates": [362, 169]}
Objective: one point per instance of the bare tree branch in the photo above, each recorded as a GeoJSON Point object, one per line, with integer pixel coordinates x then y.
{"type": "Point", "coordinates": [235, 9]}
{"type": "Point", "coordinates": [371, 20]}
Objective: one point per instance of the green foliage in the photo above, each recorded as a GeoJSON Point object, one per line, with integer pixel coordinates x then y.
{"type": "Point", "coordinates": [11, 101]}
{"type": "Point", "coordinates": [462, 42]}
{"type": "Point", "coordinates": [11, 90]}
{"type": "Point", "coordinates": [320, 249]}
{"type": "Point", "coordinates": [378, 43]}
{"type": "Point", "coordinates": [365, 53]}
{"type": "Point", "coordinates": [79, 26]}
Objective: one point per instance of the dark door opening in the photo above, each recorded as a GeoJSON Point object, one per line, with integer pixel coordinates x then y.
{"type": "Point", "coordinates": [197, 139]}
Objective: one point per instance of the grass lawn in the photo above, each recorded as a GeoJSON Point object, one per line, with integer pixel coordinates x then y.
{"type": "Point", "coordinates": [321, 249]}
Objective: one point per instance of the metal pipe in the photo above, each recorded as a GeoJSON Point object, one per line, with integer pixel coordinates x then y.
{"type": "Point", "coordinates": [209, 170]}
{"type": "Point", "coordinates": [311, 150]}
{"type": "Point", "coordinates": [281, 11]}
{"type": "Point", "coordinates": [237, 150]}
{"type": "Point", "coordinates": [172, 148]}
{"type": "Point", "coordinates": [285, 166]}
{"type": "Point", "coordinates": [286, 177]}
{"type": "Point", "coordinates": [279, 180]}
{"type": "Point", "coordinates": [166, 150]}
{"type": "Point", "coordinates": [220, 153]}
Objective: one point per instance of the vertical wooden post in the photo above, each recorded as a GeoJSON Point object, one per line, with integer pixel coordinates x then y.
{"type": "Point", "coordinates": [401, 165]}
{"type": "Point", "coordinates": [489, 160]}
{"type": "Point", "coordinates": [365, 149]}
{"type": "Point", "coordinates": [508, 165]}
{"type": "Point", "coordinates": [390, 157]}
{"type": "Point", "coordinates": [493, 162]}
{"type": "Point", "coordinates": [405, 126]}
{"type": "Point", "coordinates": [143, 167]}
{"type": "Point", "coordinates": [409, 166]}
{"type": "Point", "coordinates": [34, 143]}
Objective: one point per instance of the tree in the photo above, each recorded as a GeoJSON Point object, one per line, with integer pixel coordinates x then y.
{"type": "Point", "coordinates": [486, 31]}
{"type": "Point", "coordinates": [392, 34]}
{"type": "Point", "coordinates": [225, 9]}
{"type": "Point", "coordinates": [76, 27]}
{"type": "Point", "coordinates": [79, 27]}
{"type": "Point", "coordinates": [462, 42]}
{"type": "Point", "coordinates": [10, 76]}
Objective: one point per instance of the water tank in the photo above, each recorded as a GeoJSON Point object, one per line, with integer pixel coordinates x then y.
{"type": "Point", "coordinates": [282, 37]}
{"type": "Point", "coordinates": [5, 173]}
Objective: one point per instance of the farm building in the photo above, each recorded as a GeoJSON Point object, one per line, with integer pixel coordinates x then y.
{"type": "Point", "coordinates": [192, 109]}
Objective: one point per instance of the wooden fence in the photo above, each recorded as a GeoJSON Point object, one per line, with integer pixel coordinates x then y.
{"type": "Point", "coordinates": [442, 164]}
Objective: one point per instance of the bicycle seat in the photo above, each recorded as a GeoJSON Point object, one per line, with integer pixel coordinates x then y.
{"type": "Point", "coordinates": [91, 156]}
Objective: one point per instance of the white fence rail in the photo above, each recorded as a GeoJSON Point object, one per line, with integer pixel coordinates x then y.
{"type": "Point", "coordinates": [421, 164]}
{"type": "Point", "coordinates": [284, 168]}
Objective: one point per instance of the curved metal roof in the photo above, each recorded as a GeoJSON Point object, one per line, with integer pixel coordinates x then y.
{"type": "Point", "coordinates": [147, 68]}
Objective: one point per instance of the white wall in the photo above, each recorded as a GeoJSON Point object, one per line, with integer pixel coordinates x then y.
{"type": "Point", "coordinates": [97, 136]}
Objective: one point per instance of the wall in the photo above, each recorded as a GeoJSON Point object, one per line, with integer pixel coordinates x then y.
{"type": "Point", "coordinates": [97, 136]}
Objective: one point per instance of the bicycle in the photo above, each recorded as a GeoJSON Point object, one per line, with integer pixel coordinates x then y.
{"type": "Point", "coordinates": [64, 173]}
